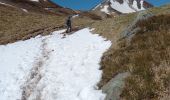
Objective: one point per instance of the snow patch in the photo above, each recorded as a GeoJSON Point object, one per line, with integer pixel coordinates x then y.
{"type": "Point", "coordinates": [74, 16]}
{"type": "Point", "coordinates": [15, 63]}
{"type": "Point", "coordinates": [6, 4]}
{"type": "Point", "coordinates": [25, 10]}
{"type": "Point", "coordinates": [35, 0]}
{"type": "Point", "coordinates": [136, 7]}
{"type": "Point", "coordinates": [70, 73]}
{"type": "Point", "coordinates": [105, 9]}
{"type": "Point", "coordinates": [142, 5]}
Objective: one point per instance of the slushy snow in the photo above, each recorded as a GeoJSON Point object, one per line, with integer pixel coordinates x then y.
{"type": "Point", "coordinates": [70, 69]}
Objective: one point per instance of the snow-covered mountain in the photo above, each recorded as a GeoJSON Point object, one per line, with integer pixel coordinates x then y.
{"type": "Point", "coordinates": [122, 6]}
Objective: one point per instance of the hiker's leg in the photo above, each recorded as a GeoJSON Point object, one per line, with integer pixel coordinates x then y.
{"type": "Point", "coordinates": [70, 28]}
{"type": "Point", "coordinates": [67, 29]}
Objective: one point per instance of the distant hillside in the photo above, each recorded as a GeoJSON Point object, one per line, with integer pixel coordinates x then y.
{"type": "Point", "coordinates": [23, 19]}
{"type": "Point", "coordinates": [44, 6]}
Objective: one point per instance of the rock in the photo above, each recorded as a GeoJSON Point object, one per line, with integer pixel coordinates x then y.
{"type": "Point", "coordinates": [132, 28]}
{"type": "Point", "coordinates": [114, 87]}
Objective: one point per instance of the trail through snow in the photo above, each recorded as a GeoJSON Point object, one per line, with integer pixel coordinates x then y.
{"type": "Point", "coordinates": [52, 67]}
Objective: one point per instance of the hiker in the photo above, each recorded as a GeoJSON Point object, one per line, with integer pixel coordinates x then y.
{"type": "Point", "coordinates": [68, 23]}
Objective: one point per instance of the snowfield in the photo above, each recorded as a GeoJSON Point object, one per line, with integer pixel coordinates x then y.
{"type": "Point", "coordinates": [16, 60]}
{"type": "Point", "coordinates": [54, 68]}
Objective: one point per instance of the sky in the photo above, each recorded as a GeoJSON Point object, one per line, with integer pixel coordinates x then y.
{"type": "Point", "coordinates": [88, 4]}
{"type": "Point", "coordinates": [78, 4]}
{"type": "Point", "coordinates": [158, 2]}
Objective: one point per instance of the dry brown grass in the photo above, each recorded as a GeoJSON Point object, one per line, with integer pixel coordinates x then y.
{"type": "Point", "coordinates": [91, 15]}
{"type": "Point", "coordinates": [147, 58]}
{"type": "Point", "coordinates": [17, 25]}
{"type": "Point", "coordinates": [163, 10]}
{"type": "Point", "coordinates": [149, 64]}
{"type": "Point", "coordinates": [155, 23]}
{"type": "Point", "coordinates": [112, 26]}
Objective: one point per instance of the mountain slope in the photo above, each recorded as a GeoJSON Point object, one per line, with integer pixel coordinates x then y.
{"type": "Point", "coordinates": [23, 19]}
{"type": "Point", "coordinates": [40, 6]}
{"type": "Point", "coordinates": [18, 24]}
{"type": "Point", "coordinates": [141, 48]}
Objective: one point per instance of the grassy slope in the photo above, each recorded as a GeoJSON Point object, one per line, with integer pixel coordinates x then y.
{"type": "Point", "coordinates": [16, 24]}
{"type": "Point", "coordinates": [146, 56]}
{"type": "Point", "coordinates": [148, 60]}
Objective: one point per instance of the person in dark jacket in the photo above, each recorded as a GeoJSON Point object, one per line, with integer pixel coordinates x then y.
{"type": "Point", "coordinates": [68, 24]}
